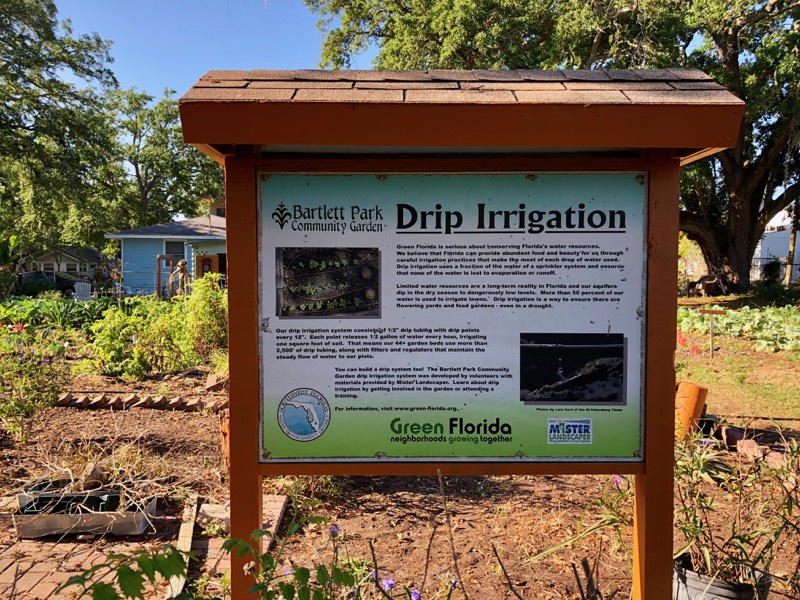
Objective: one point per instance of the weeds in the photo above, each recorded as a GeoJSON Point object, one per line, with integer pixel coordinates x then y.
{"type": "Point", "coordinates": [32, 374]}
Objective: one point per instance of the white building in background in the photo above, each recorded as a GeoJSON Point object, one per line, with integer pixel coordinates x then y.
{"type": "Point", "coordinates": [774, 245]}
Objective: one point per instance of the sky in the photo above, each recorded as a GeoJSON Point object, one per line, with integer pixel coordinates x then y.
{"type": "Point", "coordinates": [160, 44]}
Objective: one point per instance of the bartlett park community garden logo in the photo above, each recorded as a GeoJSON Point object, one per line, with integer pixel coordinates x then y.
{"type": "Point", "coordinates": [569, 431]}
{"type": "Point", "coordinates": [304, 414]}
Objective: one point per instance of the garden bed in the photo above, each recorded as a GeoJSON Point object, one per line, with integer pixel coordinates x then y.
{"type": "Point", "coordinates": [328, 282]}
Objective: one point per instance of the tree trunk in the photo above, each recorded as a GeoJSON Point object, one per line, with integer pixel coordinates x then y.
{"type": "Point", "coordinates": [787, 280]}
{"type": "Point", "coordinates": [728, 248]}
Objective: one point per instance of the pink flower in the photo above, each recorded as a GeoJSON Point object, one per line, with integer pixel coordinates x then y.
{"type": "Point", "coordinates": [18, 327]}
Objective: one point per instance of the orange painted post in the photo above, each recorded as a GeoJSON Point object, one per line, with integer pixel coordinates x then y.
{"type": "Point", "coordinates": [689, 403]}
{"type": "Point", "coordinates": [652, 532]}
{"type": "Point", "coordinates": [245, 479]}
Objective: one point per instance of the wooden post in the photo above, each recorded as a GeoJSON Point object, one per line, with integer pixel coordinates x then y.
{"type": "Point", "coordinates": [242, 249]}
{"type": "Point", "coordinates": [711, 313]}
{"type": "Point", "coordinates": [158, 277]}
{"type": "Point", "coordinates": [652, 527]}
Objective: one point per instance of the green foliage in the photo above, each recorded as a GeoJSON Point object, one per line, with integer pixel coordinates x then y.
{"type": "Point", "coordinates": [770, 328]}
{"type": "Point", "coordinates": [123, 339]}
{"type": "Point", "coordinates": [130, 573]}
{"type": "Point", "coordinates": [58, 312]}
{"type": "Point", "coordinates": [32, 374]}
{"type": "Point", "coordinates": [149, 336]}
{"type": "Point", "coordinates": [9, 257]}
{"type": "Point", "coordinates": [153, 175]}
{"type": "Point", "coordinates": [765, 294]}
{"type": "Point", "coordinates": [342, 578]}
{"type": "Point", "coordinates": [79, 161]}
{"type": "Point", "coordinates": [206, 316]}
{"type": "Point", "coordinates": [276, 578]}
{"type": "Point", "coordinates": [764, 516]}
{"type": "Point", "coordinates": [772, 272]}
{"type": "Point", "coordinates": [749, 46]}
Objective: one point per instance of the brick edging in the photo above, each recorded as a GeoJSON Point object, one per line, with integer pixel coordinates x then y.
{"type": "Point", "coordinates": [130, 401]}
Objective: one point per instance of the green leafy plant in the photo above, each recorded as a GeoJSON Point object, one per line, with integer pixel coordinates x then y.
{"type": "Point", "coordinates": [206, 316]}
{"type": "Point", "coordinates": [32, 374]}
{"type": "Point", "coordinates": [61, 313]}
{"type": "Point", "coordinates": [771, 328]}
{"type": "Point", "coordinates": [125, 575]}
{"type": "Point", "coordinates": [764, 497]}
{"type": "Point", "coordinates": [342, 578]}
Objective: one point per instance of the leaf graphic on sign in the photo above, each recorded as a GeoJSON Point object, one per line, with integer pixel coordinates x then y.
{"type": "Point", "coordinates": [281, 215]}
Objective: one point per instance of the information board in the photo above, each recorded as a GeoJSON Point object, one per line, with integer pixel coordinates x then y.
{"type": "Point", "coordinates": [452, 317]}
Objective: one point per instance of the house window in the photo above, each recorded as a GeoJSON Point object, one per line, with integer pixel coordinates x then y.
{"type": "Point", "coordinates": [48, 267]}
{"type": "Point", "coordinates": [220, 212]}
{"type": "Point", "coordinates": [174, 248]}
{"type": "Point", "coordinates": [72, 268]}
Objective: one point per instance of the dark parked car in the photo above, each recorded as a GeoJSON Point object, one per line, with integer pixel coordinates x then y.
{"type": "Point", "coordinates": [33, 282]}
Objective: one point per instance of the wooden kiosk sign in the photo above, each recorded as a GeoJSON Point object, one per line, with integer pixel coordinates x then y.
{"type": "Point", "coordinates": [465, 271]}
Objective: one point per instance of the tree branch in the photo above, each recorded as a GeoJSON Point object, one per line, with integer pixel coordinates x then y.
{"type": "Point", "coordinates": [774, 206]}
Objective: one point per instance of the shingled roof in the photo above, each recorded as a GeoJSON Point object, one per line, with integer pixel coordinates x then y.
{"type": "Point", "coordinates": [644, 86]}
{"type": "Point", "coordinates": [287, 109]}
{"type": "Point", "coordinates": [209, 227]}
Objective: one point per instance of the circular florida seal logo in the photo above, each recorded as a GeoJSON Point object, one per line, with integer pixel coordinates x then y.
{"type": "Point", "coordinates": [304, 414]}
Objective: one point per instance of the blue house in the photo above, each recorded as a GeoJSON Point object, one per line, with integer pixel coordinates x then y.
{"type": "Point", "coordinates": [199, 241]}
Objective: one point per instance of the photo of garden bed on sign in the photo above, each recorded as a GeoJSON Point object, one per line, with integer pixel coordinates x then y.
{"type": "Point", "coordinates": [572, 367]}
{"type": "Point", "coordinates": [328, 282]}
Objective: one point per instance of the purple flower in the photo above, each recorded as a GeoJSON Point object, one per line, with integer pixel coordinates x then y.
{"type": "Point", "coordinates": [288, 571]}
{"type": "Point", "coordinates": [46, 361]}
{"type": "Point", "coordinates": [617, 480]}
{"type": "Point", "coordinates": [415, 595]}
{"type": "Point", "coordinates": [387, 583]}
{"type": "Point", "coordinates": [454, 583]}
{"type": "Point", "coordinates": [334, 530]}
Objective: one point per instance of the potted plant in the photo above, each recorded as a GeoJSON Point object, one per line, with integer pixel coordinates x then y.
{"type": "Point", "coordinates": [728, 554]}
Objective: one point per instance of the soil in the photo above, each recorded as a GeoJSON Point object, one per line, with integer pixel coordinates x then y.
{"type": "Point", "coordinates": [403, 517]}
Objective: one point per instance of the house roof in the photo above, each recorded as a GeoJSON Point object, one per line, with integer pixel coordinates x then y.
{"type": "Point", "coordinates": [209, 228]}
{"type": "Point", "coordinates": [88, 255]}
{"type": "Point", "coordinates": [429, 110]}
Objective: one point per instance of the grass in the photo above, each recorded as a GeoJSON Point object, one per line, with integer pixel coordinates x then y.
{"type": "Point", "coordinates": [741, 382]}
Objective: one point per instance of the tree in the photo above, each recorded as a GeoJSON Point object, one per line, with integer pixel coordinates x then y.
{"type": "Point", "coordinates": [750, 46]}
{"type": "Point", "coordinates": [78, 157]}
{"type": "Point", "coordinates": [35, 59]}
{"type": "Point", "coordinates": [152, 176]}
{"type": "Point", "coordinates": [787, 278]}
{"type": "Point", "coordinates": [9, 259]}
{"type": "Point", "coordinates": [48, 132]}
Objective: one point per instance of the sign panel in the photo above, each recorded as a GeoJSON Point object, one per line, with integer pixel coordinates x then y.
{"type": "Point", "coordinates": [452, 317]}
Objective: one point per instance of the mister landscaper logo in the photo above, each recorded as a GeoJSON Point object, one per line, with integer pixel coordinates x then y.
{"type": "Point", "coordinates": [569, 431]}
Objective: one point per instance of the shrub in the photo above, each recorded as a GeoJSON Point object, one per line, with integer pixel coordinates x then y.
{"type": "Point", "coordinates": [206, 314]}
{"type": "Point", "coordinates": [32, 373]}
{"type": "Point", "coordinates": [148, 335]}
{"type": "Point", "coordinates": [122, 339]}
{"type": "Point", "coordinates": [772, 272]}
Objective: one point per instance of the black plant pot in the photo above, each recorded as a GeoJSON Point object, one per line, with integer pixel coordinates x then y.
{"type": "Point", "coordinates": [688, 585]}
